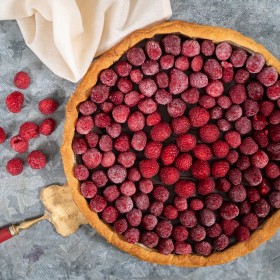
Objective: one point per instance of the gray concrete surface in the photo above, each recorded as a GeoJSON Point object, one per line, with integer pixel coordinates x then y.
{"type": "Point", "coordinates": [41, 253]}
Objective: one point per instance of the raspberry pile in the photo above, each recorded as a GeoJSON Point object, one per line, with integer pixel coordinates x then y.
{"type": "Point", "coordinates": [178, 145]}
{"type": "Point", "coordinates": [28, 130]}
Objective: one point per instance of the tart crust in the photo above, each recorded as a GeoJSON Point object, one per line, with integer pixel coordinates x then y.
{"type": "Point", "coordinates": [215, 34]}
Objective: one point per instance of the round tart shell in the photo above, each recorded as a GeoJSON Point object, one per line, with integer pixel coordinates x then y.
{"type": "Point", "coordinates": [215, 34]}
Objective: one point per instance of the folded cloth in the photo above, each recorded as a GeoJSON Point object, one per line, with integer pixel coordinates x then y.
{"type": "Point", "coordinates": [67, 34]}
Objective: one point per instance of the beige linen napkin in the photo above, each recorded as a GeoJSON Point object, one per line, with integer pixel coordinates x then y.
{"type": "Point", "coordinates": [67, 34]}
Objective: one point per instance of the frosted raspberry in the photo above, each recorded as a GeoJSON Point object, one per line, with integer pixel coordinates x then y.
{"type": "Point", "coordinates": [169, 154]}
{"type": "Point", "coordinates": [200, 169]}
{"type": "Point", "coordinates": [169, 175]}
{"type": "Point", "coordinates": [79, 146]}
{"type": "Point", "coordinates": [202, 152]}
{"type": "Point", "coordinates": [178, 81]}
{"type": "Point", "coordinates": [243, 125]}
{"type": "Point", "coordinates": [182, 248]}
{"type": "Point", "coordinates": [117, 174]}
{"type": "Point", "coordinates": [252, 176]}
{"type": "Point", "coordinates": [108, 77]}
{"type": "Point", "coordinates": [99, 178]}
{"type": "Point", "coordinates": [99, 93]}
{"type": "Point", "coordinates": [272, 170]}
{"type": "Point", "coordinates": [237, 93]}
{"type": "Point", "coordinates": [197, 63]}
{"type": "Point", "coordinates": [273, 92]}
{"type": "Point", "coordinates": [132, 98]}
{"type": "Point", "coordinates": [126, 159]}
{"type": "Point", "coordinates": [146, 185]}
{"type": "Point", "coordinates": [22, 80]}
{"type": "Point", "coordinates": [163, 97]}
{"type": "Point", "coordinates": [28, 130]}
{"type": "Point", "coordinates": [255, 63]}
{"type": "Point", "coordinates": [274, 199]}
{"type": "Point", "coordinates": [213, 201]}
{"type": "Point", "coordinates": [207, 217]}
{"type": "Point", "coordinates": [111, 193]}
{"type": "Point", "coordinates": [237, 193]}
{"type": "Point", "coordinates": [176, 108]}
{"type": "Point", "coordinates": [250, 221]}
{"type": "Point", "coordinates": [97, 204]}
{"type": "Point", "coordinates": [219, 168]}
{"type": "Point", "coordinates": [238, 58]}
{"type": "Point", "coordinates": [160, 132]}
{"type": "Point", "coordinates": [221, 242]}
{"type": "Point", "coordinates": [120, 226]}
{"type": "Point", "coordinates": [106, 107]}
{"type": "Point", "coordinates": [172, 44]}
{"type": "Point", "coordinates": [14, 101]}
{"type": "Point", "coordinates": [190, 96]}
{"type": "Point", "coordinates": [156, 208]}
{"type": "Point", "coordinates": [243, 162]}
{"type": "Point", "coordinates": [153, 119]}
{"type": "Point", "coordinates": [92, 139]}
{"type": "Point", "coordinates": [84, 124]}
{"type": "Point", "coordinates": [149, 222]}
{"type": "Point", "coordinates": [150, 67]}
{"type": "Point", "coordinates": [229, 211]}
{"type": "Point", "coordinates": [183, 162]}
{"type": "Point", "coordinates": [224, 102]}
{"type": "Point", "coordinates": [261, 208]}
{"type": "Point", "coordinates": [18, 144]}
{"type": "Point", "coordinates": [148, 168]}
{"type": "Point", "coordinates": [203, 248]}
{"type": "Point", "coordinates": [227, 75]}
{"type": "Point", "coordinates": [205, 186]}
{"type": "Point", "coordinates": [36, 160]}
{"type": "Point", "coordinates": [180, 203]}
{"type": "Point", "coordinates": [248, 146]}
{"type": "Point", "coordinates": [229, 226]}
{"type": "Point", "coordinates": [147, 106]}
{"type": "Point", "coordinates": [132, 235]}
{"type": "Point", "coordinates": [196, 204]}
{"type": "Point", "coordinates": [241, 76]}
{"type": "Point", "coordinates": [197, 233]}
{"type": "Point", "coordinates": [182, 63]}
{"type": "Point", "coordinates": [185, 188]}
{"type": "Point", "coordinates": [114, 130]}
{"type": "Point", "coordinates": [121, 143]}
{"type": "Point", "coordinates": [47, 126]}
{"type": "Point", "coordinates": [233, 138]}
{"type": "Point", "coordinates": [268, 76]}
{"type": "Point", "coordinates": [235, 176]}
{"type": "Point", "coordinates": [207, 47]}
{"type": "Point", "coordinates": [274, 133]}
{"type": "Point", "coordinates": [162, 80]}
{"type": "Point", "coordinates": [153, 150]}
{"type": "Point", "coordinates": [100, 120]}
{"type": "Point", "coordinates": [124, 204]}
{"type": "Point", "coordinates": [170, 212]}
{"type": "Point", "coordinates": [213, 69]}
{"type": "Point", "coordinates": [186, 142]}
{"type": "Point", "coordinates": [274, 118]}
{"type": "Point", "coordinates": [259, 159]}
{"type": "Point", "coordinates": [81, 172]}
{"type": "Point", "coordinates": [188, 218]}
{"type": "Point", "coordinates": [134, 217]}
{"type": "Point", "coordinates": [136, 76]}
{"type": "Point", "coordinates": [123, 68]}
{"type": "Point", "coordinates": [220, 149]}
{"type": "Point", "coordinates": [255, 90]}
{"type": "Point", "coordinates": [110, 214]}
{"type": "Point", "coordinates": [149, 239]}
{"type": "Point", "coordinates": [14, 166]}
{"type": "Point", "coordinates": [165, 246]}
{"type": "Point", "coordinates": [215, 88]}
{"type": "Point", "coordinates": [214, 231]}
{"type": "Point", "coordinates": [3, 135]}
{"type": "Point", "coordinates": [139, 140]}
{"type": "Point", "coordinates": [276, 184]}
{"type": "Point", "coordinates": [133, 174]}
{"type": "Point", "coordinates": [167, 61]}
{"type": "Point", "coordinates": [242, 234]}
{"type": "Point", "coordinates": [232, 156]}
{"type": "Point", "coordinates": [120, 113]}
{"type": "Point", "coordinates": [136, 56]}
{"type": "Point", "coordinates": [198, 116]}
{"type": "Point", "coordinates": [245, 207]}
{"type": "Point", "coordinates": [153, 49]}
{"type": "Point", "coordinates": [116, 97]}
{"type": "Point", "coordinates": [105, 143]}
{"type": "Point", "coordinates": [180, 233]}
{"type": "Point", "coordinates": [142, 201]}
{"type": "Point", "coordinates": [252, 194]}
{"type": "Point", "coordinates": [233, 113]}
{"type": "Point", "coordinates": [124, 85]}
{"type": "Point", "coordinates": [190, 48]}
{"type": "Point", "coordinates": [223, 185]}
{"type": "Point", "coordinates": [259, 122]}
{"type": "Point", "coordinates": [88, 189]}
{"type": "Point", "coordinates": [207, 101]}
{"type": "Point", "coordinates": [216, 113]}
{"type": "Point", "coordinates": [223, 51]}
{"type": "Point", "coordinates": [180, 125]}
{"type": "Point", "coordinates": [209, 133]}
{"type": "Point", "coordinates": [160, 193]}
{"type": "Point", "coordinates": [92, 158]}
{"type": "Point", "coordinates": [261, 138]}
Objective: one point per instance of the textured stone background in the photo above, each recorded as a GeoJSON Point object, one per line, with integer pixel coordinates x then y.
{"type": "Point", "coordinates": [40, 253]}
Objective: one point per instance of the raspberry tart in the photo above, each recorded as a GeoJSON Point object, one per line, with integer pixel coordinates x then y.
{"type": "Point", "coordinates": [171, 145]}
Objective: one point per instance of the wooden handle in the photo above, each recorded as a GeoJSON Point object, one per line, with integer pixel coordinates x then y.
{"type": "Point", "coordinates": [5, 234]}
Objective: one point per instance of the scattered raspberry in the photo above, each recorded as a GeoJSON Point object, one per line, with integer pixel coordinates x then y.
{"type": "Point", "coordinates": [200, 169]}
{"type": "Point", "coordinates": [156, 208]}
{"type": "Point", "coordinates": [99, 178]}
{"type": "Point", "coordinates": [221, 242]}
{"type": "Point", "coordinates": [268, 76]}
{"type": "Point", "coordinates": [207, 47]}
{"type": "Point", "coordinates": [3, 135]}
{"type": "Point", "coordinates": [134, 217]}
{"type": "Point", "coordinates": [14, 101]}
{"type": "Point", "coordinates": [255, 63]}
{"type": "Point", "coordinates": [108, 77]}
{"type": "Point", "coordinates": [22, 80]}
{"type": "Point", "coordinates": [169, 175]}
{"type": "Point", "coordinates": [205, 186]}
{"type": "Point", "coordinates": [47, 106]}
{"type": "Point", "coordinates": [209, 133]}
{"type": "Point", "coordinates": [190, 48]}
{"type": "Point", "coordinates": [146, 185]}
{"type": "Point", "coordinates": [237, 193]}
{"type": "Point", "coordinates": [36, 160]}
{"type": "Point", "coordinates": [213, 201]}
{"type": "Point", "coordinates": [18, 144]}
{"type": "Point", "coordinates": [214, 231]}
{"type": "Point", "coordinates": [136, 56]}
{"type": "Point", "coordinates": [169, 154]}
{"type": "Point", "coordinates": [47, 126]}
{"type": "Point", "coordinates": [238, 58]}
{"type": "Point", "coordinates": [198, 116]}
{"type": "Point", "coordinates": [233, 138]}
{"type": "Point", "coordinates": [196, 204]}
{"type": "Point", "coordinates": [188, 218]}
{"type": "Point", "coordinates": [245, 207]}
{"type": "Point", "coordinates": [79, 146]}
{"type": "Point", "coordinates": [235, 176]}
{"type": "Point", "coordinates": [110, 214]}
{"type": "Point", "coordinates": [132, 235]}
{"type": "Point", "coordinates": [28, 130]}
{"type": "Point", "coordinates": [274, 199]}
{"type": "Point", "coordinates": [182, 63]}
{"type": "Point", "coordinates": [160, 193]}
{"type": "Point", "coordinates": [186, 142]}
{"type": "Point", "coordinates": [160, 132]}
{"type": "Point", "coordinates": [242, 234]}
{"type": "Point", "coordinates": [126, 159]}
{"type": "Point", "coordinates": [14, 166]}
{"type": "Point", "coordinates": [197, 233]}
{"type": "Point", "coordinates": [229, 227]}
{"type": "Point", "coordinates": [84, 124]}
{"type": "Point", "coordinates": [97, 204]}
{"type": "Point", "coordinates": [203, 248]}
{"type": "Point", "coordinates": [183, 162]}
{"type": "Point", "coordinates": [122, 143]}
{"type": "Point", "coordinates": [185, 188]}
{"type": "Point", "coordinates": [223, 185]}
{"type": "Point", "coordinates": [250, 221]}
{"type": "Point", "coordinates": [190, 96]}
{"type": "Point", "coordinates": [252, 176]}
{"type": "Point", "coordinates": [149, 239]}
{"type": "Point", "coordinates": [141, 201]}
{"type": "Point", "coordinates": [178, 81]}
{"type": "Point", "coordinates": [229, 211]}
{"type": "Point", "coordinates": [88, 189]}
{"type": "Point", "coordinates": [213, 69]}
{"type": "Point", "coordinates": [120, 226]}
{"type": "Point", "coordinates": [273, 92]}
